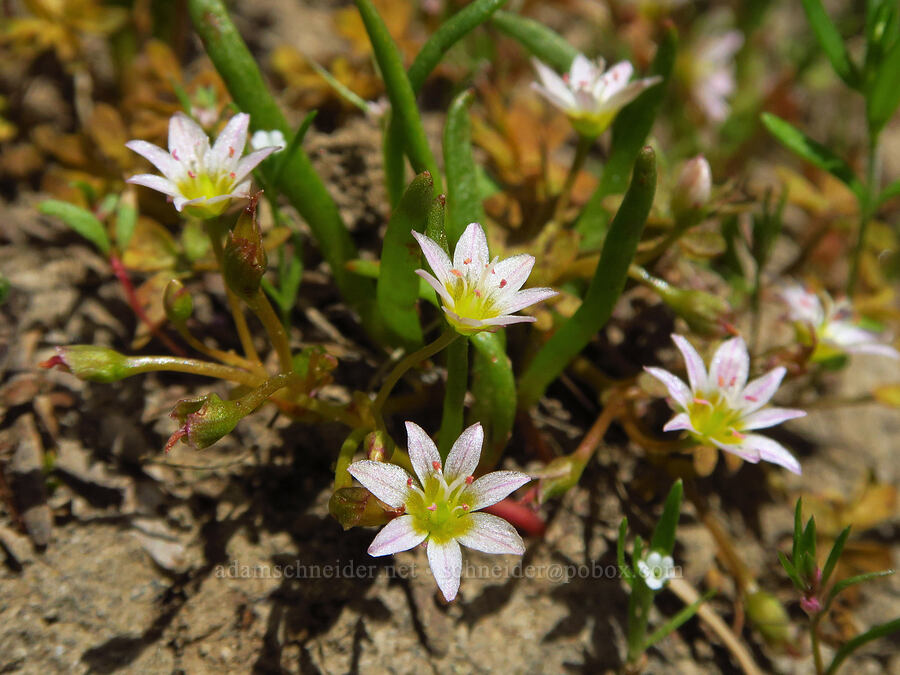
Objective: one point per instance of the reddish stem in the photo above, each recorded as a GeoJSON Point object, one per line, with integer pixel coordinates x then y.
{"type": "Point", "coordinates": [518, 515]}
{"type": "Point", "coordinates": [122, 275]}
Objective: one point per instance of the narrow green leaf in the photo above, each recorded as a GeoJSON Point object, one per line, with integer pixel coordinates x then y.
{"type": "Point", "coordinates": [295, 142]}
{"type": "Point", "coordinates": [883, 96]}
{"type": "Point", "coordinates": [629, 133]}
{"type": "Point", "coordinates": [663, 539]}
{"type": "Point", "coordinates": [882, 630]}
{"type": "Point", "coordinates": [393, 154]}
{"type": "Point", "coordinates": [494, 390]}
{"type": "Point", "coordinates": [831, 42]}
{"type": "Point", "coordinates": [399, 91]}
{"type": "Point", "coordinates": [843, 585]}
{"type": "Point", "coordinates": [835, 554]}
{"type": "Point", "coordinates": [624, 570]}
{"type": "Point", "coordinates": [369, 269]}
{"type": "Point", "coordinates": [816, 153]}
{"type": "Point", "coordinates": [454, 396]}
{"type": "Point", "coordinates": [791, 571]}
{"type": "Point", "coordinates": [678, 620]}
{"type": "Point", "coordinates": [891, 191]}
{"type": "Point", "coordinates": [298, 179]}
{"type": "Point", "coordinates": [547, 45]}
{"type": "Point", "coordinates": [398, 284]}
{"type": "Point", "coordinates": [798, 531]}
{"type": "Point", "coordinates": [126, 220]}
{"type": "Point", "coordinates": [81, 220]}
{"type": "Point", "coordinates": [808, 547]}
{"type": "Point", "coordinates": [605, 288]}
{"type": "Point", "coordinates": [463, 198]}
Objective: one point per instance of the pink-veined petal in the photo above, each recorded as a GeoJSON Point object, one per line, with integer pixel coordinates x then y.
{"type": "Point", "coordinates": [445, 560]}
{"type": "Point", "coordinates": [748, 454]}
{"type": "Point", "coordinates": [188, 143]}
{"type": "Point", "coordinates": [613, 80]}
{"type": "Point", "coordinates": [630, 92]}
{"type": "Point", "coordinates": [759, 391]}
{"type": "Point", "coordinates": [680, 422]}
{"type": "Point", "coordinates": [771, 451]}
{"type": "Point", "coordinates": [769, 417]}
{"type": "Point", "coordinates": [437, 258]}
{"type": "Point", "coordinates": [677, 389]}
{"type": "Point", "coordinates": [514, 271]}
{"type": "Point", "coordinates": [250, 162]}
{"type": "Point", "coordinates": [508, 320]}
{"type": "Point", "coordinates": [386, 481]}
{"type": "Point", "coordinates": [729, 366]}
{"type": "Point", "coordinates": [437, 286]}
{"type": "Point", "coordinates": [465, 453]}
{"type": "Point", "coordinates": [562, 99]}
{"type": "Point", "coordinates": [398, 535]}
{"type": "Point", "coordinates": [154, 182]}
{"type": "Point", "coordinates": [492, 487]}
{"type": "Point", "coordinates": [229, 145]}
{"type": "Point", "coordinates": [696, 370]}
{"type": "Point", "coordinates": [551, 84]}
{"type": "Point", "coordinates": [491, 534]}
{"type": "Point", "coordinates": [874, 348]}
{"type": "Point", "coordinates": [423, 453]}
{"type": "Point", "coordinates": [526, 298]}
{"type": "Point", "coordinates": [471, 254]}
{"type": "Point", "coordinates": [158, 157]}
{"type": "Point", "coordinates": [583, 72]}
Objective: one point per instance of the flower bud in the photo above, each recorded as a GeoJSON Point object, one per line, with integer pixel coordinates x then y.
{"type": "Point", "coordinates": [245, 257]}
{"type": "Point", "coordinates": [693, 188]}
{"type": "Point", "coordinates": [769, 616]}
{"type": "Point", "coordinates": [705, 313]}
{"type": "Point", "coordinates": [559, 476]}
{"type": "Point", "coordinates": [177, 302]}
{"type": "Point", "coordinates": [355, 507]}
{"type": "Point", "coordinates": [91, 363]}
{"type": "Point", "coordinates": [376, 447]}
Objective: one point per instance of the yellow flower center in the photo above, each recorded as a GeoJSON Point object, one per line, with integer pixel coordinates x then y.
{"type": "Point", "coordinates": [470, 302]}
{"type": "Point", "coordinates": [714, 419]}
{"type": "Point", "coordinates": [440, 510]}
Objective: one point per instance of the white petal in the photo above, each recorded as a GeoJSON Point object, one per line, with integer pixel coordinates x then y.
{"type": "Point", "coordinates": [695, 369]}
{"type": "Point", "coordinates": [187, 141]}
{"type": "Point", "coordinates": [874, 348]}
{"type": "Point", "coordinates": [386, 481]}
{"type": "Point", "coordinates": [491, 534]}
{"type": "Point", "coordinates": [436, 256]}
{"type": "Point", "coordinates": [153, 182]}
{"type": "Point", "coordinates": [771, 451]}
{"type": "Point", "coordinates": [759, 391]}
{"type": "Point", "coordinates": [747, 453]}
{"type": "Point", "coordinates": [507, 320]}
{"type": "Point", "coordinates": [446, 566]}
{"type": "Point", "coordinates": [423, 453]}
{"type": "Point", "coordinates": [769, 417]}
{"type": "Point", "coordinates": [613, 80]}
{"type": "Point", "coordinates": [436, 285]}
{"type": "Point", "coordinates": [472, 247]}
{"type": "Point", "coordinates": [494, 486]}
{"type": "Point", "coordinates": [582, 72]}
{"type": "Point", "coordinates": [398, 535]}
{"type": "Point", "coordinates": [250, 162]}
{"type": "Point", "coordinates": [630, 92]}
{"type": "Point", "coordinates": [229, 146]}
{"type": "Point", "coordinates": [465, 453]}
{"type": "Point", "coordinates": [514, 271]}
{"type": "Point", "coordinates": [526, 298]}
{"type": "Point", "coordinates": [803, 305]}
{"type": "Point", "coordinates": [730, 365]}
{"type": "Point", "coordinates": [549, 78]}
{"type": "Point", "coordinates": [678, 390]}
{"type": "Point", "coordinates": [161, 159]}
{"type": "Point", "coordinates": [561, 98]}
{"type": "Point", "coordinates": [680, 422]}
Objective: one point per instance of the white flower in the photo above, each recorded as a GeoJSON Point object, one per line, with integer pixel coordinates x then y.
{"type": "Point", "coordinates": [268, 139]}
{"type": "Point", "coordinates": [694, 185]}
{"type": "Point", "coordinates": [711, 73]}
{"type": "Point", "coordinates": [439, 508]}
{"type": "Point", "coordinates": [832, 323]}
{"type": "Point", "coordinates": [656, 569]}
{"type": "Point", "coordinates": [479, 293]}
{"type": "Point", "coordinates": [590, 97]}
{"type": "Point", "coordinates": [719, 408]}
{"type": "Point", "coordinates": [198, 177]}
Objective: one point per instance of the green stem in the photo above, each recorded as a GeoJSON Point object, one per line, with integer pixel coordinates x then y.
{"type": "Point", "coordinates": [816, 648]}
{"type": "Point", "coordinates": [229, 358]}
{"type": "Point", "coordinates": [147, 364]}
{"type": "Point", "coordinates": [411, 360]}
{"type": "Point", "coordinates": [581, 153]}
{"type": "Point", "coordinates": [454, 397]}
{"type": "Point", "coordinates": [263, 309]}
{"type": "Point", "coordinates": [639, 602]}
{"type": "Point", "coordinates": [867, 207]}
{"type": "Point", "coordinates": [343, 479]}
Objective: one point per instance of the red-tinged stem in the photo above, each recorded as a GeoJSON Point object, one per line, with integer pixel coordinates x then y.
{"type": "Point", "coordinates": [122, 275]}
{"type": "Point", "coordinates": [519, 515]}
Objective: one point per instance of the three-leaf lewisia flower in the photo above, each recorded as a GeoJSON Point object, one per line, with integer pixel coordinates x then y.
{"type": "Point", "coordinates": [590, 97]}
{"type": "Point", "coordinates": [440, 507]}
{"type": "Point", "coordinates": [720, 407]}
{"type": "Point", "coordinates": [833, 323]}
{"type": "Point", "coordinates": [200, 178]}
{"type": "Point", "coordinates": [479, 293]}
